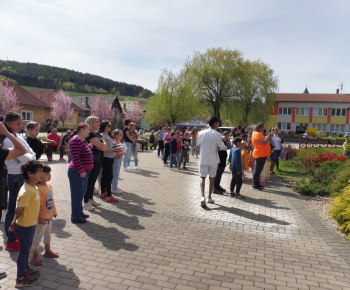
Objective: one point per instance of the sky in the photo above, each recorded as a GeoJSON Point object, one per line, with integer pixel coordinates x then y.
{"type": "Point", "coordinates": [305, 42]}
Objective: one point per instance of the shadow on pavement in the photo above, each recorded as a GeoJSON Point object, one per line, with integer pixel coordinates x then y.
{"type": "Point", "coordinates": [58, 228]}
{"type": "Point", "coordinates": [146, 173]}
{"type": "Point", "coordinates": [111, 238]}
{"type": "Point", "coordinates": [250, 215]}
{"type": "Point", "coordinates": [263, 202]}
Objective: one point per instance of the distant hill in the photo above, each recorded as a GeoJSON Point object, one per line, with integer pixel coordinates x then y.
{"type": "Point", "coordinates": [45, 76]}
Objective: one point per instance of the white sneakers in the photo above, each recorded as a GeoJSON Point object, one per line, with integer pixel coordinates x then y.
{"type": "Point", "coordinates": [94, 202]}
{"type": "Point", "coordinates": [173, 169]}
{"type": "Point", "coordinates": [209, 200]}
{"type": "Point", "coordinates": [127, 169]}
{"type": "Point", "coordinates": [88, 206]}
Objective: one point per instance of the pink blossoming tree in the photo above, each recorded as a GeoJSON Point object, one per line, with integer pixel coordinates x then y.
{"type": "Point", "coordinates": [133, 112]}
{"type": "Point", "coordinates": [8, 99]}
{"type": "Point", "coordinates": [102, 110]}
{"type": "Point", "coordinates": [62, 107]}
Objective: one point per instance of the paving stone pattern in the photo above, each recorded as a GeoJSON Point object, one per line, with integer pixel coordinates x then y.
{"type": "Point", "coordinates": [158, 237]}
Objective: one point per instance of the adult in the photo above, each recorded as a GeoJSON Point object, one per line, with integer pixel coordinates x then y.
{"type": "Point", "coordinates": [65, 140]}
{"type": "Point", "coordinates": [98, 146]}
{"type": "Point", "coordinates": [107, 162]}
{"type": "Point", "coordinates": [55, 145]}
{"type": "Point", "coordinates": [79, 170]}
{"type": "Point", "coordinates": [7, 154]}
{"type": "Point", "coordinates": [194, 145]}
{"type": "Point", "coordinates": [50, 125]}
{"type": "Point", "coordinates": [262, 150]}
{"type": "Point", "coordinates": [276, 150]}
{"type": "Point", "coordinates": [135, 145]}
{"type": "Point", "coordinates": [222, 164]}
{"type": "Point", "coordinates": [13, 123]}
{"type": "Point", "coordinates": [167, 138]}
{"type": "Point", "coordinates": [128, 141]}
{"type": "Point", "coordinates": [160, 134]}
{"type": "Point", "coordinates": [152, 141]}
{"type": "Point", "coordinates": [209, 141]}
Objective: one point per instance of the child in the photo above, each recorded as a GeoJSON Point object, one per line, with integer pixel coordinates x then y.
{"type": "Point", "coordinates": [236, 167]}
{"type": "Point", "coordinates": [245, 155]}
{"type": "Point", "coordinates": [152, 141]}
{"type": "Point", "coordinates": [47, 211]}
{"type": "Point", "coordinates": [178, 140]}
{"type": "Point", "coordinates": [25, 220]}
{"type": "Point", "coordinates": [118, 136]}
{"type": "Point", "coordinates": [185, 144]}
{"type": "Point", "coordinates": [265, 173]}
{"type": "Point", "coordinates": [173, 150]}
{"type": "Point", "coordinates": [346, 147]}
{"type": "Point", "coordinates": [33, 129]}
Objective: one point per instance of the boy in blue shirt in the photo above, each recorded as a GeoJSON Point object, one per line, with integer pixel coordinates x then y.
{"type": "Point", "coordinates": [236, 167]}
{"type": "Point", "coordinates": [173, 150]}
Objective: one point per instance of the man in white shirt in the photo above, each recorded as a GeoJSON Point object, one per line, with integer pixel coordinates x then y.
{"type": "Point", "coordinates": [209, 141]}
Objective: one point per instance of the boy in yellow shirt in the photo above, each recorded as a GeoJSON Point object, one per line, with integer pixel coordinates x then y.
{"type": "Point", "coordinates": [44, 226]}
{"type": "Point", "coordinates": [25, 220]}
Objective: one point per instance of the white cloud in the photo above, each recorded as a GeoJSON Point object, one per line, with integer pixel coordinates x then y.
{"type": "Point", "coordinates": [305, 42]}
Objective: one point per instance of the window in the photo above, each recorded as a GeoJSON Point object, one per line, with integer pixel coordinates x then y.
{"type": "Point", "coordinates": [337, 128]}
{"type": "Point", "coordinates": [27, 115]}
{"type": "Point", "coordinates": [302, 111]}
{"type": "Point", "coordinates": [284, 111]}
{"type": "Point", "coordinates": [320, 127]}
{"type": "Point", "coordinates": [284, 126]}
{"type": "Point", "coordinates": [338, 112]}
{"type": "Point", "coordinates": [320, 112]}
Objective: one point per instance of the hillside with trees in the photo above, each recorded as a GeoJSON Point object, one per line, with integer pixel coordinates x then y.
{"type": "Point", "coordinates": [45, 76]}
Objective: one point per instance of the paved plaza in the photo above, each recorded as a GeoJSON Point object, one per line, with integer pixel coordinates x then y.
{"type": "Point", "coordinates": [158, 237]}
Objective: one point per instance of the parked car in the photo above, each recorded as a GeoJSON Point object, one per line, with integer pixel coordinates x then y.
{"type": "Point", "coordinates": [300, 130]}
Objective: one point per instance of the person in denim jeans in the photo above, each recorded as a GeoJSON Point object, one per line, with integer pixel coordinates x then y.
{"type": "Point", "coordinates": [13, 123]}
{"type": "Point", "coordinates": [79, 170]}
{"type": "Point", "coordinates": [118, 136]}
{"type": "Point", "coordinates": [128, 141]}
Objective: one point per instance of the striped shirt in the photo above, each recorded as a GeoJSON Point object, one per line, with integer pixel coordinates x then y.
{"type": "Point", "coordinates": [209, 141]}
{"type": "Point", "coordinates": [81, 155]}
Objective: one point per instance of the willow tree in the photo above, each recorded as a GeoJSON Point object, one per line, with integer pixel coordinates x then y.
{"type": "Point", "coordinates": [173, 101]}
{"type": "Point", "coordinates": [213, 76]}
{"type": "Point", "coordinates": [253, 93]}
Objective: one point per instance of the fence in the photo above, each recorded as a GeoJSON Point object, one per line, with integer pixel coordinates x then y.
{"type": "Point", "coordinates": [318, 142]}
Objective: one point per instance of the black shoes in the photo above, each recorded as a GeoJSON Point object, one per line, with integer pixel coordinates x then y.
{"type": "Point", "coordinates": [81, 221]}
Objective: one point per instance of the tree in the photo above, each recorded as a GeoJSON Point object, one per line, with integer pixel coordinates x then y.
{"type": "Point", "coordinates": [253, 93]}
{"type": "Point", "coordinates": [102, 110]}
{"type": "Point", "coordinates": [8, 98]}
{"type": "Point", "coordinates": [61, 108]}
{"type": "Point", "coordinates": [135, 113]}
{"type": "Point", "coordinates": [212, 76]}
{"type": "Point", "coordinates": [173, 100]}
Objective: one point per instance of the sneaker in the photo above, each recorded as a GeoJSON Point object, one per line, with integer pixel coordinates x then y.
{"type": "Point", "coordinates": [184, 167]}
{"type": "Point", "coordinates": [237, 195]}
{"type": "Point", "coordinates": [81, 221]}
{"type": "Point", "coordinates": [136, 168]}
{"type": "Point", "coordinates": [12, 247]}
{"type": "Point", "coordinates": [26, 281]}
{"type": "Point", "coordinates": [257, 187]}
{"type": "Point", "coordinates": [210, 200]}
{"type": "Point", "coordinates": [94, 202]}
{"type": "Point", "coordinates": [32, 272]}
{"type": "Point", "coordinates": [119, 190]}
{"type": "Point", "coordinates": [127, 169]}
{"type": "Point", "coordinates": [88, 206]}
{"type": "Point", "coordinates": [2, 274]}
{"type": "Point", "coordinates": [222, 189]}
{"type": "Point", "coordinates": [62, 159]}
{"type": "Point", "coordinates": [96, 191]}
{"type": "Point", "coordinates": [173, 169]}
{"type": "Point", "coordinates": [112, 199]}
{"type": "Point", "coordinates": [272, 172]}
{"type": "Point", "coordinates": [232, 194]}
{"type": "Point", "coordinates": [263, 182]}
{"type": "Point", "coordinates": [166, 165]}
{"type": "Point", "coordinates": [203, 203]}
{"type": "Point", "coordinates": [103, 195]}
{"type": "Point", "coordinates": [217, 191]}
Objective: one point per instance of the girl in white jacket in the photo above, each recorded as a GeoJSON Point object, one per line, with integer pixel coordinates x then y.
{"type": "Point", "coordinates": [13, 123]}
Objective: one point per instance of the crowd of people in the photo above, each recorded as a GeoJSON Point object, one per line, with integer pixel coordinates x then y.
{"type": "Point", "coordinates": [96, 153]}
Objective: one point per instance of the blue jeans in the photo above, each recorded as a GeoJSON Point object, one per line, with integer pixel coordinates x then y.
{"type": "Point", "coordinates": [116, 169]}
{"type": "Point", "coordinates": [14, 184]}
{"type": "Point", "coordinates": [134, 153]}
{"type": "Point", "coordinates": [26, 235]}
{"type": "Point", "coordinates": [127, 156]}
{"type": "Point", "coordinates": [78, 188]}
{"type": "Point", "coordinates": [172, 160]}
{"type": "Point", "coordinates": [177, 157]}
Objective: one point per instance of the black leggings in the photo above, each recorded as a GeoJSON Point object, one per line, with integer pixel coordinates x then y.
{"type": "Point", "coordinates": [92, 180]}
{"type": "Point", "coordinates": [218, 176]}
{"type": "Point", "coordinates": [258, 167]}
{"type": "Point", "coordinates": [236, 181]}
{"type": "Point", "coordinates": [161, 147]}
{"type": "Point", "coordinates": [107, 175]}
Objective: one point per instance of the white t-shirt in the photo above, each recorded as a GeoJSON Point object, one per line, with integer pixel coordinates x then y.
{"type": "Point", "coordinates": [209, 141]}
{"type": "Point", "coordinates": [277, 142]}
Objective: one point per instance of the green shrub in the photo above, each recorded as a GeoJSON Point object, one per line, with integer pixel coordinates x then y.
{"type": "Point", "coordinates": [342, 179]}
{"type": "Point", "coordinates": [319, 182]}
{"type": "Point", "coordinates": [341, 210]}
{"type": "Point", "coordinates": [42, 138]}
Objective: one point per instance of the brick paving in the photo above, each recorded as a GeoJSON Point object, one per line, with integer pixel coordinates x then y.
{"type": "Point", "coordinates": [158, 237]}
